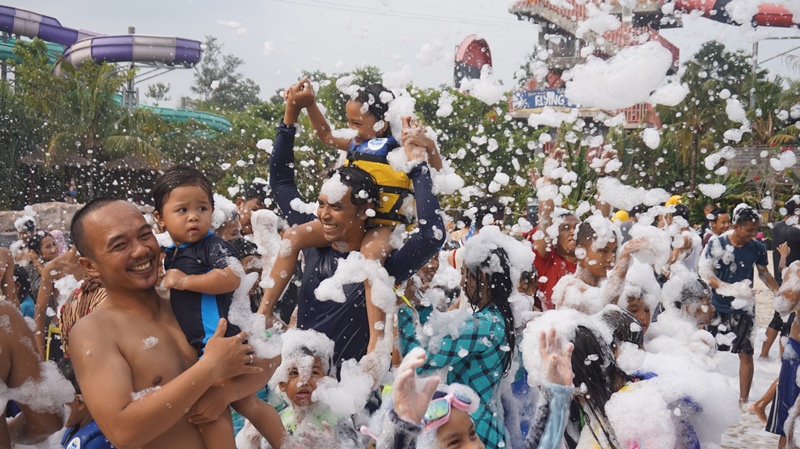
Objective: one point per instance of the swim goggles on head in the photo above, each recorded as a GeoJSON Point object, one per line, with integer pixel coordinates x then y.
{"type": "Point", "coordinates": [438, 412]}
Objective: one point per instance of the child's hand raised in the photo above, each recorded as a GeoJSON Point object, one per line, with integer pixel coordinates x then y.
{"type": "Point", "coordinates": [556, 355]}
{"type": "Point", "coordinates": [300, 95]}
{"type": "Point", "coordinates": [411, 400]}
{"type": "Point", "coordinates": [414, 134]}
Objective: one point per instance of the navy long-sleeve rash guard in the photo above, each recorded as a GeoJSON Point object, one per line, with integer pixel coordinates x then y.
{"type": "Point", "coordinates": [346, 323]}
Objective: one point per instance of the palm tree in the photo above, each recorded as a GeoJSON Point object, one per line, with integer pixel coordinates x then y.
{"type": "Point", "coordinates": [92, 125]}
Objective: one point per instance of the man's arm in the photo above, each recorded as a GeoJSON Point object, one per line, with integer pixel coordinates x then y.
{"type": "Point", "coordinates": [40, 312]}
{"type": "Point", "coordinates": [546, 205]}
{"type": "Point", "coordinates": [767, 278]}
{"type": "Point", "coordinates": [414, 254]}
{"type": "Point", "coordinates": [107, 385]}
{"type": "Point", "coordinates": [7, 285]}
{"type": "Point", "coordinates": [214, 401]}
{"type": "Point", "coordinates": [22, 365]}
{"type": "Point", "coordinates": [281, 175]}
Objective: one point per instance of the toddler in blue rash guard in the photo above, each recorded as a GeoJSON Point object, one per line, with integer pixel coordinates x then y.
{"type": "Point", "coordinates": [202, 284]}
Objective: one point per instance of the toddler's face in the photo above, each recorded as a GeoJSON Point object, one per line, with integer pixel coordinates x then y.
{"type": "Point", "coordinates": [301, 383]}
{"type": "Point", "coordinates": [186, 214]}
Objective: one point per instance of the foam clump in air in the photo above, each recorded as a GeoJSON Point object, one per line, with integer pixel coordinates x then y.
{"type": "Point", "coordinates": [657, 250]}
{"type": "Point", "coordinates": [712, 191]}
{"type": "Point", "coordinates": [486, 89]}
{"type": "Point", "coordinates": [622, 81]}
{"type": "Point", "coordinates": [786, 159]}
{"type": "Point", "coordinates": [265, 345]}
{"type": "Point", "coordinates": [651, 138]}
{"type": "Point", "coordinates": [670, 93]}
{"type": "Point", "coordinates": [620, 196]}
{"type": "Point", "coordinates": [224, 210]}
{"type": "Point", "coordinates": [349, 395]}
{"type": "Point", "coordinates": [552, 118]}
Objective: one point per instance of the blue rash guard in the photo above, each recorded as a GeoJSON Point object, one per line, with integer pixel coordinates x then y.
{"type": "Point", "coordinates": [346, 323]}
{"type": "Point", "coordinates": [740, 268]}
{"type": "Point", "coordinates": [86, 437]}
{"type": "Point", "coordinates": [198, 313]}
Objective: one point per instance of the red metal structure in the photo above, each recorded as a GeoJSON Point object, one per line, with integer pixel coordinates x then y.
{"type": "Point", "coordinates": [769, 14]}
{"type": "Point", "coordinates": [640, 23]}
{"type": "Point", "coordinates": [471, 55]}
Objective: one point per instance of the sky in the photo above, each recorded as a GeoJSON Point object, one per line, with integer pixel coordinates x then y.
{"type": "Point", "coordinates": [278, 39]}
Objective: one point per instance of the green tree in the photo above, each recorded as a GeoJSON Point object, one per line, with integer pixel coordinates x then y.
{"type": "Point", "coordinates": [20, 133]}
{"type": "Point", "coordinates": [159, 92]}
{"type": "Point", "coordinates": [219, 82]}
{"type": "Point", "coordinates": [696, 126]}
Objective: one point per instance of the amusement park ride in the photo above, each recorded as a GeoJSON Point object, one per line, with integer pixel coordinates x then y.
{"type": "Point", "coordinates": [151, 55]}
{"type": "Point", "coordinates": [560, 21]}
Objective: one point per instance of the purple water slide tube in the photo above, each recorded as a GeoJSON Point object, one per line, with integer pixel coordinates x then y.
{"type": "Point", "coordinates": [87, 45]}
{"type": "Point", "coordinates": [135, 48]}
{"type": "Point", "coordinates": [30, 24]}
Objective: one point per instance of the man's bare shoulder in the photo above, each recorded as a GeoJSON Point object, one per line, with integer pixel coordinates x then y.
{"type": "Point", "coordinates": [96, 322]}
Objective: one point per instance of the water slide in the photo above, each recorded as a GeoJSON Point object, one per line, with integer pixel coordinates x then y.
{"type": "Point", "coordinates": [769, 14]}
{"type": "Point", "coordinates": [54, 51]}
{"type": "Point", "coordinates": [82, 46]}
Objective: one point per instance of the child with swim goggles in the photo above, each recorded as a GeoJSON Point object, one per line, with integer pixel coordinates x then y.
{"type": "Point", "coordinates": [445, 421]}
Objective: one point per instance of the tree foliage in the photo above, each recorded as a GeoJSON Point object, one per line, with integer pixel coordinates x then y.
{"type": "Point", "coordinates": [220, 84]}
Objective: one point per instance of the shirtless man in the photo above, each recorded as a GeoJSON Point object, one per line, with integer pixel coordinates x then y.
{"type": "Point", "coordinates": [19, 363]}
{"type": "Point", "coordinates": [55, 270]}
{"type": "Point", "coordinates": [7, 286]}
{"type": "Point", "coordinates": [132, 345]}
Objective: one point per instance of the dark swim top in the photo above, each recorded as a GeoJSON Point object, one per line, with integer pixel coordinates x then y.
{"type": "Point", "coordinates": [198, 313]}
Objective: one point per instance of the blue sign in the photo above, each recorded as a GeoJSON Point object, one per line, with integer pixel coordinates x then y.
{"type": "Point", "coordinates": [538, 99]}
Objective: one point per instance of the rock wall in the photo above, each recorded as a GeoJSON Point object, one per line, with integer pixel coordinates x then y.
{"type": "Point", "coordinates": [48, 216]}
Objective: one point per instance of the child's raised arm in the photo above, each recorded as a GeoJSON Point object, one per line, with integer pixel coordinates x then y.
{"type": "Point", "coordinates": [302, 95]}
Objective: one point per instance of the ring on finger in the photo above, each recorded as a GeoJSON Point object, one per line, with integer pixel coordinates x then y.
{"type": "Point", "coordinates": [251, 359]}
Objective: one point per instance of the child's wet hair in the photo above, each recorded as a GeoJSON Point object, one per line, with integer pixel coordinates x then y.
{"type": "Point", "coordinates": [692, 292]}
{"type": "Point", "coordinates": [179, 176]}
{"type": "Point", "coordinates": [66, 369]}
{"type": "Point", "coordinates": [585, 234]}
{"type": "Point", "coordinates": [326, 361]}
{"type": "Point", "coordinates": [359, 180]}
{"type": "Point", "coordinates": [620, 322]}
{"type": "Point", "coordinates": [743, 214]}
